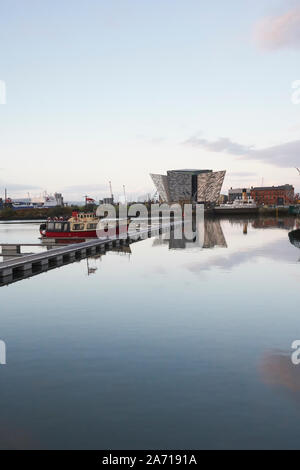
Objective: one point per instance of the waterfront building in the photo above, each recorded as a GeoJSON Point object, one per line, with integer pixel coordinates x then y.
{"type": "Point", "coordinates": [223, 199]}
{"type": "Point", "coordinates": [107, 200]}
{"type": "Point", "coordinates": [273, 195]}
{"type": "Point", "coordinates": [202, 186]}
{"type": "Point", "coordinates": [237, 193]}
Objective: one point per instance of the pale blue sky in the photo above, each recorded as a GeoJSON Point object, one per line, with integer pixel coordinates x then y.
{"type": "Point", "coordinates": [110, 90]}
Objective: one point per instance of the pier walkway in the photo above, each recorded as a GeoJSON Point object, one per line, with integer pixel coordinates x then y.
{"type": "Point", "coordinates": [31, 264]}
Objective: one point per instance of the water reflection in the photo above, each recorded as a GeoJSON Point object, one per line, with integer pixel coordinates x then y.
{"type": "Point", "coordinates": [294, 237]}
{"type": "Point", "coordinates": [91, 265]}
{"type": "Point", "coordinates": [251, 240]}
{"type": "Point", "coordinates": [272, 222]}
{"type": "Point", "coordinates": [172, 338]}
{"type": "Point", "coordinates": [245, 239]}
{"type": "Point", "coordinates": [213, 236]}
{"type": "Point", "coordinates": [277, 370]}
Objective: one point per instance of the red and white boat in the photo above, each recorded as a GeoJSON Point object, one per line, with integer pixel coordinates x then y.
{"type": "Point", "coordinates": [81, 225]}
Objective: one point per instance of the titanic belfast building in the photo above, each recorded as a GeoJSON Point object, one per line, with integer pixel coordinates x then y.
{"type": "Point", "coordinates": [198, 186]}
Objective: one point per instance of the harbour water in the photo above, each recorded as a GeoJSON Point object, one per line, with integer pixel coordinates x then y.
{"type": "Point", "coordinates": [164, 345]}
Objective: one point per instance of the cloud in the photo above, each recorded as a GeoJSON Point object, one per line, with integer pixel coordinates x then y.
{"type": "Point", "coordinates": [98, 191]}
{"type": "Point", "coordinates": [83, 188]}
{"type": "Point", "coordinates": [18, 187]}
{"type": "Point", "coordinates": [242, 174]}
{"type": "Point", "coordinates": [283, 155]}
{"type": "Point", "coordinates": [280, 31]}
{"type": "Point", "coordinates": [221, 145]}
{"type": "Point", "coordinates": [151, 140]}
{"type": "Point", "coordinates": [279, 250]}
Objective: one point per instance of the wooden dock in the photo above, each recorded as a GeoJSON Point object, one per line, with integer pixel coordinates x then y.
{"type": "Point", "coordinates": [28, 265]}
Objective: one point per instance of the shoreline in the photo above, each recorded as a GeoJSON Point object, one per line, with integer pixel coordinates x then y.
{"type": "Point", "coordinates": [260, 211]}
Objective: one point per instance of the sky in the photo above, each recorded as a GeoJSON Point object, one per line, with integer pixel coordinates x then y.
{"type": "Point", "coordinates": [100, 91]}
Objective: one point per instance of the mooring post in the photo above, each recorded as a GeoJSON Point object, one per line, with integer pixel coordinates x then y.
{"type": "Point", "coordinates": [59, 260]}
{"type": "Point", "coordinates": [7, 272]}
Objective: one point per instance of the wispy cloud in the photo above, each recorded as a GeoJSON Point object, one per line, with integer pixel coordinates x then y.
{"type": "Point", "coordinates": [283, 155]}
{"type": "Point", "coordinates": [18, 187]}
{"type": "Point", "coordinates": [277, 250]}
{"type": "Point", "coordinates": [242, 174]}
{"type": "Point", "coordinates": [221, 145]}
{"type": "Point", "coordinates": [99, 190]}
{"type": "Point", "coordinates": [276, 32]}
{"type": "Point", "coordinates": [151, 140]}
{"type": "Point", "coordinates": [83, 188]}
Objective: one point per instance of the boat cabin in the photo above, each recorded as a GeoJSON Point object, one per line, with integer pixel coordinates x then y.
{"type": "Point", "coordinates": [80, 221]}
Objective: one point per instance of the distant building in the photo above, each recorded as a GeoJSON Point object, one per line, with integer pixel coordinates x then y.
{"type": "Point", "coordinates": [59, 199]}
{"type": "Point", "coordinates": [237, 193]}
{"type": "Point", "coordinates": [202, 186]}
{"type": "Point", "coordinates": [107, 200]}
{"type": "Point", "coordinates": [223, 199]}
{"type": "Point", "coordinates": [273, 195]}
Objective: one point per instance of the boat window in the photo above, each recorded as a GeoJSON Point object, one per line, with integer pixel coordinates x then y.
{"type": "Point", "coordinates": [78, 227]}
{"type": "Point", "coordinates": [50, 226]}
{"type": "Point", "coordinates": [92, 226]}
{"type": "Point", "coordinates": [58, 226]}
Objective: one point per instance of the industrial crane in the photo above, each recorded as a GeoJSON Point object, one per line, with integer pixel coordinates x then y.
{"type": "Point", "coordinates": [111, 193]}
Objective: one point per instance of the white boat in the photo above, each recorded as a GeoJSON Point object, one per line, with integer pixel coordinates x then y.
{"type": "Point", "coordinates": [45, 201]}
{"type": "Point", "coordinates": [238, 206]}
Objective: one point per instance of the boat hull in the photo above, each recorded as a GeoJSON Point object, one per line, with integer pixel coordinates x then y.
{"type": "Point", "coordinates": [74, 234]}
{"type": "Point", "coordinates": [82, 234]}
{"type": "Point", "coordinates": [236, 211]}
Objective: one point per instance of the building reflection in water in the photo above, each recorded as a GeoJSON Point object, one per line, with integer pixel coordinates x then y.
{"type": "Point", "coordinates": [272, 222]}
{"type": "Point", "coordinates": [213, 236]}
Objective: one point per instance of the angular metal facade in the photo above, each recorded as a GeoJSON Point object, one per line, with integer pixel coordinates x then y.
{"type": "Point", "coordinates": [161, 184]}
{"type": "Point", "coordinates": [203, 186]}
{"type": "Point", "coordinates": [180, 186]}
{"type": "Point", "coordinates": [209, 186]}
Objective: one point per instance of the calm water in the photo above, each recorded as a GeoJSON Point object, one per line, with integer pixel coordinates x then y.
{"type": "Point", "coordinates": [162, 347]}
